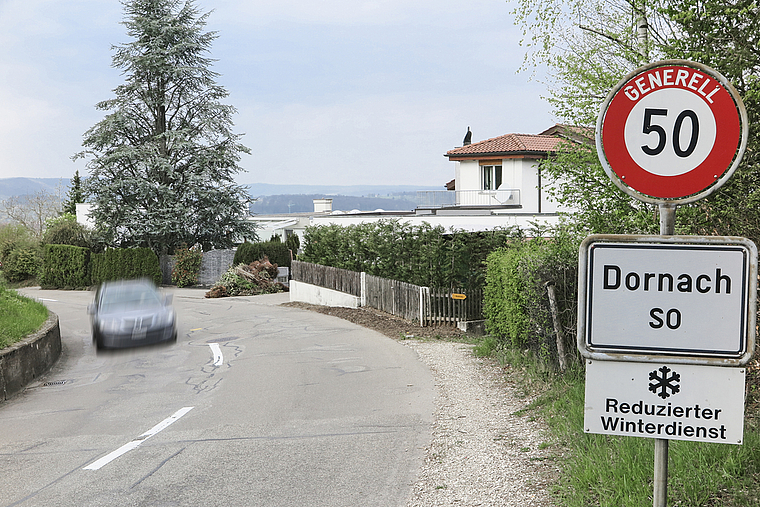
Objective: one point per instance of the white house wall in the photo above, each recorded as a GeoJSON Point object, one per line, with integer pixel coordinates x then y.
{"type": "Point", "coordinates": [517, 173]}
{"type": "Point", "coordinates": [469, 175]}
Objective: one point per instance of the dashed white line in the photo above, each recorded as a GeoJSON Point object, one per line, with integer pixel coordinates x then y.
{"type": "Point", "coordinates": [98, 464]}
{"type": "Point", "coordinates": [217, 351]}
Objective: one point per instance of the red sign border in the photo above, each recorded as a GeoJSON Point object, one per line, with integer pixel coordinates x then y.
{"type": "Point", "coordinates": [714, 171]}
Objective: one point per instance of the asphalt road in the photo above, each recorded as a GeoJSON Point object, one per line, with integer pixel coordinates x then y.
{"type": "Point", "coordinates": [256, 404]}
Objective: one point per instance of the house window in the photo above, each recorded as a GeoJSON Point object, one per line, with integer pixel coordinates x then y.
{"type": "Point", "coordinates": [491, 176]}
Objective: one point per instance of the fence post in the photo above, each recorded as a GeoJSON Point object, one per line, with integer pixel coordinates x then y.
{"type": "Point", "coordinates": [422, 307]}
{"type": "Point", "coordinates": [557, 324]}
{"type": "Point", "coordinates": [363, 283]}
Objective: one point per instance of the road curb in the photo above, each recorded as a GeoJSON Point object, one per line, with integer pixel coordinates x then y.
{"type": "Point", "coordinates": [26, 360]}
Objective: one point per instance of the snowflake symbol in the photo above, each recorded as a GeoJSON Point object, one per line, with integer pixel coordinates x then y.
{"type": "Point", "coordinates": [664, 382]}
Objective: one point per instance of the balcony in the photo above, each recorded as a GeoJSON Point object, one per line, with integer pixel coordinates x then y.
{"type": "Point", "coordinates": [483, 198]}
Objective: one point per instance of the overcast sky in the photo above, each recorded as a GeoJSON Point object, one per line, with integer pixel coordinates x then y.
{"type": "Point", "coordinates": [331, 92]}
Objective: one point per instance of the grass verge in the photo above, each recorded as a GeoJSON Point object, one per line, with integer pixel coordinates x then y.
{"type": "Point", "coordinates": [611, 471]}
{"type": "Point", "coordinates": [19, 316]}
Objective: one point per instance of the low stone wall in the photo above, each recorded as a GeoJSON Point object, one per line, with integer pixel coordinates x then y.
{"type": "Point", "coordinates": [26, 360]}
{"type": "Point", "coordinates": [213, 265]}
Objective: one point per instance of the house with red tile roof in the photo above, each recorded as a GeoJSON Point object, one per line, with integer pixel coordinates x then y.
{"type": "Point", "coordinates": [498, 183]}
{"type": "Point", "coordinates": [505, 172]}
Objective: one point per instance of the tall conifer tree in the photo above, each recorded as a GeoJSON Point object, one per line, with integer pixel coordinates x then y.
{"type": "Point", "coordinates": [162, 162]}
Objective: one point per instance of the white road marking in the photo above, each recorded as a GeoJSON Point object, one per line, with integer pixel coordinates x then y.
{"type": "Point", "coordinates": [98, 464]}
{"type": "Point", "coordinates": [217, 351]}
{"type": "Point", "coordinates": [46, 299]}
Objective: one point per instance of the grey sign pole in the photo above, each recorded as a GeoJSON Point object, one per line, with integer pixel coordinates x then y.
{"type": "Point", "coordinates": [667, 228]}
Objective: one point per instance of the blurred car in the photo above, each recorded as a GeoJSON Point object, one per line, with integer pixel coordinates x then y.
{"type": "Point", "coordinates": [131, 313]}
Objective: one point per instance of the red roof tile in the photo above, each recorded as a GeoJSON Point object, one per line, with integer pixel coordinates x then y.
{"type": "Point", "coordinates": [523, 144]}
{"type": "Point", "coordinates": [509, 144]}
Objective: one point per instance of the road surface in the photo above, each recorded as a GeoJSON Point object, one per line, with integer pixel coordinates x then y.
{"type": "Point", "coordinates": [256, 404]}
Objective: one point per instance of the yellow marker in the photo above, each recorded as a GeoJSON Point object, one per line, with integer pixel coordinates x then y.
{"type": "Point", "coordinates": [458, 296]}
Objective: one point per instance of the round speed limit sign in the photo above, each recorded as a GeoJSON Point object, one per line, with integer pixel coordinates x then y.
{"type": "Point", "coordinates": [672, 131]}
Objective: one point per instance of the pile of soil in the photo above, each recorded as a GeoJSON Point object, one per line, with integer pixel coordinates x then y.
{"type": "Point", "coordinates": [389, 325]}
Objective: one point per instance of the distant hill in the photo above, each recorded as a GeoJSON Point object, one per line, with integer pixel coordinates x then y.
{"type": "Point", "coordinates": [23, 186]}
{"type": "Point", "coordinates": [272, 198]}
{"type": "Point", "coordinates": [263, 189]}
{"type": "Point", "coordinates": [304, 203]}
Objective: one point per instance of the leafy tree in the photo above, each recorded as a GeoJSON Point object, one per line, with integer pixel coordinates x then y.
{"type": "Point", "coordinates": [724, 35]}
{"type": "Point", "coordinates": [161, 163]}
{"type": "Point", "coordinates": [31, 211]}
{"type": "Point", "coordinates": [589, 45]}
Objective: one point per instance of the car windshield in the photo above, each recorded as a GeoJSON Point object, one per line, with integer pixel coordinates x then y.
{"type": "Point", "coordinates": [128, 297]}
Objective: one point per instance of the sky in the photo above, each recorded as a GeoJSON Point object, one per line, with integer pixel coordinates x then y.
{"type": "Point", "coordinates": [337, 92]}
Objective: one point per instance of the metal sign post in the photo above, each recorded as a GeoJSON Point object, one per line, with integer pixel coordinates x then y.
{"type": "Point", "coordinates": [660, 491]}
{"type": "Point", "coordinates": [669, 133]}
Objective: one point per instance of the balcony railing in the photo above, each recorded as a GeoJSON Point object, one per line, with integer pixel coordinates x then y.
{"type": "Point", "coordinates": [445, 198]}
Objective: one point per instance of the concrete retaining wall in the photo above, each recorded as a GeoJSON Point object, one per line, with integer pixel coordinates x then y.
{"type": "Point", "coordinates": [26, 360]}
{"type": "Point", "coordinates": [315, 295]}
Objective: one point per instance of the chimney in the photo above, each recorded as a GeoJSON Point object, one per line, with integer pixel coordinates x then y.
{"type": "Point", "coordinates": [467, 138]}
{"type": "Point", "coordinates": [322, 205]}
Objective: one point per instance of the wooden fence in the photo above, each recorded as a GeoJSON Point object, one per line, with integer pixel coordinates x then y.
{"type": "Point", "coordinates": [397, 298]}
{"type": "Point", "coordinates": [411, 302]}
{"type": "Point", "coordinates": [338, 279]}
{"type": "Point", "coordinates": [452, 306]}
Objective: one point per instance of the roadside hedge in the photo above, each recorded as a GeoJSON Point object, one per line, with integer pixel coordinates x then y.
{"type": "Point", "coordinates": [418, 254]}
{"type": "Point", "coordinates": [65, 266]}
{"type": "Point", "coordinates": [21, 263]}
{"type": "Point", "coordinates": [516, 302]}
{"type": "Point", "coordinates": [124, 263]}
{"type": "Point", "coordinates": [277, 252]}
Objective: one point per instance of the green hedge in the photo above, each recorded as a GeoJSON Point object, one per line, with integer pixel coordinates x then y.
{"type": "Point", "coordinates": [277, 252]}
{"type": "Point", "coordinates": [65, 266]}
{"type": "Point", "coordinates": [21, 264]}
{"type": "Point", "coordinates": [418, 254]}
{"type": "Point", "coordinates": [515, 299]}
{"type": "Point", "coordinates": [125, 263]}
{"type": "Point", "coordinates": [504, 297]}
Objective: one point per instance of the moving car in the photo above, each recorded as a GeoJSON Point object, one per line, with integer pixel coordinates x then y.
{"type": "Point", "coordinates": [130, 313]}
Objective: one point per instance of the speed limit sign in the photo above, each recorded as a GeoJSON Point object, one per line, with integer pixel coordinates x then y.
{"type": "Point", "coordinates": [672, 131]}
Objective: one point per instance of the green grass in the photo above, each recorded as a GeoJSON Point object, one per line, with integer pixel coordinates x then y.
{"type": "Point", "coordinates": [19, 316]}
{"type": "Point", "coordinates": [611, 471]}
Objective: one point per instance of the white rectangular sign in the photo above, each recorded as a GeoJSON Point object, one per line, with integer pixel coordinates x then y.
{"type": "Point", "coordinates": [668, 299]}
{"type": "Point", "coordinates": [667, 401]}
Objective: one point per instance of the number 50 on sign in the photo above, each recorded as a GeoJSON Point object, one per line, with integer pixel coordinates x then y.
{"type": "Point", "coordinates": [672, 131]}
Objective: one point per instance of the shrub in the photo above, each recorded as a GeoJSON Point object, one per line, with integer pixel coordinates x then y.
{"type": "Point", "coordinates": [293, 243]}
{"type": "Point", "coordinates": [516, 304]}
{"type": "Point", "coordinates": [276, 251]}
{"type": "Point", "coordinates": [504, 297]}
{"type": "Point", "coordinates": [22, 264]}
{"type": "Point", "coordinates": [187, 266]}
{"type": "Point", "coordinates": [65, 266]}
{"type": "Point", "coordinates": [65, 230]}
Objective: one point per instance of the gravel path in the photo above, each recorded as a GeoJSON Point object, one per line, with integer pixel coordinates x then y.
{"type": "Point", "coordinates": [482, 454]}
